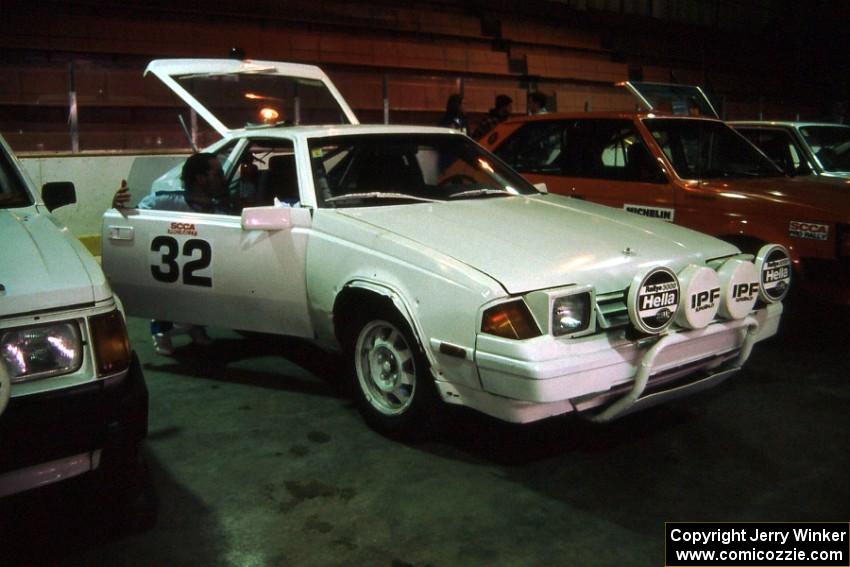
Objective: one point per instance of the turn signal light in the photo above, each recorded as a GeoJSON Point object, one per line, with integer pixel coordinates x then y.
{"type": "Point", "coordinates": [111, 345]}
{"type": "Point", "coordinates": [511, 320]}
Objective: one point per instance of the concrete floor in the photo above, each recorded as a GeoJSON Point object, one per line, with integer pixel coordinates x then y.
{"type": "Point", "coordinates": [254, 458]}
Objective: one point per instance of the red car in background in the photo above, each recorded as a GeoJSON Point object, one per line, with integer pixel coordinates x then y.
{"type": "Point", "coordinates": [682, 165]}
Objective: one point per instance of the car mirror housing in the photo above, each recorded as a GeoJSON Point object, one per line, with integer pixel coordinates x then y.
{"type": "Point", "coordinates": [58, 194]}
{"type": "Point", "coordinates": [267, 218]}
{"type": "Point", "coordinates": [278, 217]}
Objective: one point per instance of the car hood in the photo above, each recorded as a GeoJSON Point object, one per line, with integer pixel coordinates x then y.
{"type": "Point", "coordinates": [43, 266]}
{"type": "Point", "coordinates": [545, 241]}
{"type": "Point", "coordinates": [824, 198]}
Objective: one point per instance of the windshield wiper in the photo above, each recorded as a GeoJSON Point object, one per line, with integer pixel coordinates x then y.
{"type": "Point", "coordinates": [479, 192]}
{"type": "Point", "coordinates": [378, 195]}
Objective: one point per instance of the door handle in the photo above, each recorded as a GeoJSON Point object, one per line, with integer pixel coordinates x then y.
{"type": "Point", "coordinates": [120, 232]}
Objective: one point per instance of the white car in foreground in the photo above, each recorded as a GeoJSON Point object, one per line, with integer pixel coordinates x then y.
{"type": "Point", "coordinates": [73, 397]}
{"type": "Point", "coordinates": [437, 270]}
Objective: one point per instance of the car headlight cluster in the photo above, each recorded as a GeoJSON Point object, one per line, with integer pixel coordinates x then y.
{"type": "Point", "coordinates": [566, 312]}
{"type": "Point", "coordinates": [656, 299]}
{"type": "Point", "coordinates": [41, 351]}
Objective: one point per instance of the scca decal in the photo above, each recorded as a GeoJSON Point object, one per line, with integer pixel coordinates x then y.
{"type": "Point", "coordinates": [186, 228]}
{"type": "Point", "coordinates": [809, 230]}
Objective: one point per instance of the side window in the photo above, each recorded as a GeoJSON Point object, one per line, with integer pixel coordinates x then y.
{"type": "Point", "coordinates": [779, 146]}
{"type": "Point", "coordinates": [534, 148]}
{"type": "Point", "coordinates": [12, 192]}
{"type": "Point", "coordinates": [223, 154]}
{"type": "Point", "coordinates": [264, 171]}
{"type": "Point", "coordinates": [610, 149]}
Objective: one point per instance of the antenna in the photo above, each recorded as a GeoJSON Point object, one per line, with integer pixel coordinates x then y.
{"type": "Point", "coordinates": [188, 135]}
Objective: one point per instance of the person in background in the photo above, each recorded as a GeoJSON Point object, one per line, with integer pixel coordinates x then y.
{"type": "Point", "coordinates": [693, 107]}
{"type": "Point", "coordinates": [454, 116]}
{"type": "Point", "coordinates": [537, 103]}
{"type": "Point", "coordinates": [204, 188]}
{"type": "Point", "coordinates": [499, 113]}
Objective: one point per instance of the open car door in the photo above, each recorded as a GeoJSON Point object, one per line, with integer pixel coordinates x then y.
{"type": "Point", "coordinates": [223, 270]}
{"type": "Point", "coordinates": [673, 99]}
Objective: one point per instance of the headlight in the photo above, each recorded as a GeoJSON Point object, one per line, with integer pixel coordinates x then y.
{"type": "Point", "coordinates": [111, 346]}
{"type": "Point", "coordinates": [567, 311]}
{"type": "Point", "coordinates": [570, 314]}
{"type": "Point", "coordinates": [510, 320]}
{"type": "Point", "coordinates": [43, 351]}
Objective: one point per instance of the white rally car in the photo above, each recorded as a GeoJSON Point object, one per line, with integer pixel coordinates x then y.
{"type": "Point", "coordinates": [437, 270]}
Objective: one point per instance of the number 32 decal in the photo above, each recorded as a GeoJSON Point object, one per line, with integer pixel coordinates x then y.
{"type": "Point", "coordinates": [169, 271]}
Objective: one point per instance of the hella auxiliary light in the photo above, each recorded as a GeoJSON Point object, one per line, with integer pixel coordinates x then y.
{"type": "Point", "coordinates": [774, 268]}
{"type": "Point", "coordinates": [564, 312]}
{"type": "Point", "coordinates": [653, 300]}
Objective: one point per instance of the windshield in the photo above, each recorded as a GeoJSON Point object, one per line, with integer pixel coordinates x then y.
{"type": "Point", "coordinates": [684, 100]}
{"type": "Point", "coordinates": [251, 99]}
{"type": "Point", "coordinates": [830, 144]}
{"type": "Point", "coordinates": [706, 149]}
{"type": "Point", "coordinates": [12, 191]}
{"type": "Point", "coordinates": [382, 169]}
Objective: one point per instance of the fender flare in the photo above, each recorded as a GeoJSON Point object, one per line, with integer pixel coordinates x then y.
{"type": "Point", "coordinates": [402, 306]}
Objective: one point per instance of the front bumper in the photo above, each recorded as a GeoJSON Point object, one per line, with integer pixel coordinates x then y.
{"type": "Point", "coordinates": [607, 374]}
{"type": "Point", "coordinates": [58, 434]}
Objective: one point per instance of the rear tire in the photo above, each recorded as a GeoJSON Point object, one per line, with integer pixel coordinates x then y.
{"type": "Point", "coordinates": [390, 375]}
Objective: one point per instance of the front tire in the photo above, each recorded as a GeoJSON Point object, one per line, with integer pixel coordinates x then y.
{"type": "Point", "coordinates": [391, 376]}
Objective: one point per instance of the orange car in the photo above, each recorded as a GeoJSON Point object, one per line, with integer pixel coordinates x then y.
{"type": "Point", "coordinates": [691, 170]}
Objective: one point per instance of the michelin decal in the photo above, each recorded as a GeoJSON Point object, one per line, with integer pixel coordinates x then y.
{"type": "Point", "coordinates": [659, 213]}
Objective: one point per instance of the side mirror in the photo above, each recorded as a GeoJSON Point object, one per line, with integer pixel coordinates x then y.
{"type": "Point", "coordinates": [58, 194]}
{"type": "Point", "coordinates": [266, 218]}
{"type": "Point", "coordinates": [541, 187]}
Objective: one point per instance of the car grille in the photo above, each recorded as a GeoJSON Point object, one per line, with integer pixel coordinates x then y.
{"type": "Point", "coordinates": [611, 310]}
